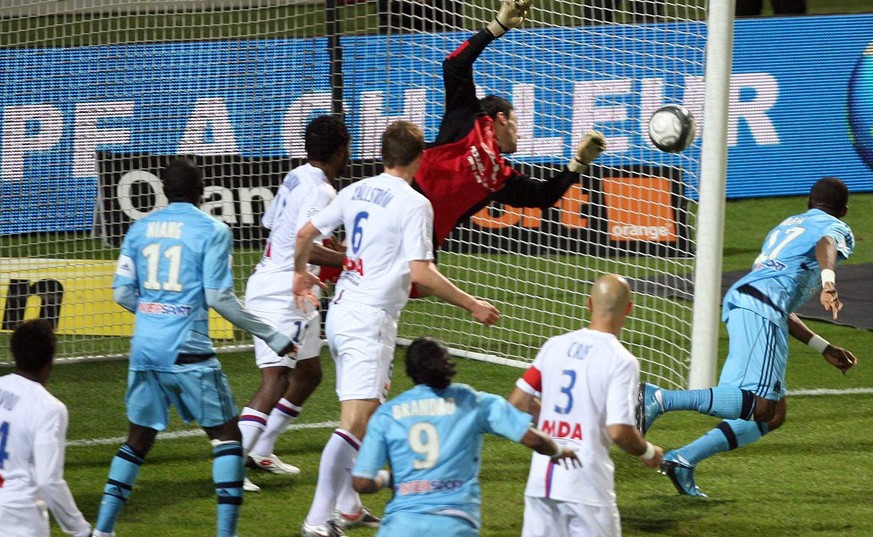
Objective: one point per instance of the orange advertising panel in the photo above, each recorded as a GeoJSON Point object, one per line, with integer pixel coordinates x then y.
{"type": "Point", "coordinates": [571, 205]}
{"type": "Point", "coordinates": [639, 209]}
{"type": "Point", "coordinates": [611, 211]}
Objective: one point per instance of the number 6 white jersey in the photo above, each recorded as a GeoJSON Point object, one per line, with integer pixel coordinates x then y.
{"type": "Point", "coordinates": [586, 380]}
{"type": "Point", "coordinates": [387, 224]}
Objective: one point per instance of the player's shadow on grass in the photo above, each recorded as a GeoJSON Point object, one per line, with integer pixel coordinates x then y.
{"type": "Point", "coordinates": [666, 513]}
{"type": "Point", "coordinates": [150, 496]}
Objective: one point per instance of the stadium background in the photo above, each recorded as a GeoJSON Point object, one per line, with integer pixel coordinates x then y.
{"type": "Point", "coordinates": [803, 462]}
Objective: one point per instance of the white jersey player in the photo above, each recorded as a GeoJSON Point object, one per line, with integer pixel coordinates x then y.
{"type": "Point", "coordinates": [33, 430]}
{"type": "Point", "coordinates": [279, 400]}
{"type": "Point", "coordinates": [389, 229]}
{"type": "Point", "coordinates": [585, 383]}
{"type": "Point", "coordinates": [304, 191]}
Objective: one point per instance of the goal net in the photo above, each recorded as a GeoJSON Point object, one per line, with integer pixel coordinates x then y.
{"type": "Point", "coordinates": [98, 94]}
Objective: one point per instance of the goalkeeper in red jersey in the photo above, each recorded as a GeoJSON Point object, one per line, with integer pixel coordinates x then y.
{"type": "Point", "coordinates": [464, 170]}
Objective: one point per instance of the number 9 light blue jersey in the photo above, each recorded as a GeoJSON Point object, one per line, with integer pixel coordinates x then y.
{"type": "Point", "coordinates": [170, 257]}
{"type": "Point", "coordinates": [433, 441]}
{"type": "Point", "coordinates": [786, 271]}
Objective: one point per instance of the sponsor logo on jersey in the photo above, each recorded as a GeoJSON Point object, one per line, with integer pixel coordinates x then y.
{"type": "Point", "coordinates": [428, 486]}
{"type": "Point", "coordinates": [774, 264]}
{"type": "Point", "coordinates": [562, 429]}
{"type": "Point", "coordinates": [484, 171]}
{"type": "Point", "coordinates": [157, 308]}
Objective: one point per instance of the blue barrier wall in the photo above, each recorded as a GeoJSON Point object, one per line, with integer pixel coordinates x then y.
{"type": "Point", "coordinates": [794, 102]}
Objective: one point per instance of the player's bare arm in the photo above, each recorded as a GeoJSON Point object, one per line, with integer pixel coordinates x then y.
{"type": "Point", "coordinates": [525, 402]}
{"type": "Point", "coordinates": [366, 485]}
{"type": "Point", "coordinates": [303, 279]}
{"type": "Point", "coordinates": [826, 255]}
{"type": "Point", "coordinates": [425, 273]}
{"type": "Point", "coordinates": [519, 190]}
{"type": "Point", "coordinates": [836, 356]}
{"type": "Point", "coordinates": [326, 256]}
{"type": "Point", "coordinates": [544, 445]}
{"type": "Point", "coordinates": [840, 358]}
{"type": "Point", "coordinates": [629, 439]}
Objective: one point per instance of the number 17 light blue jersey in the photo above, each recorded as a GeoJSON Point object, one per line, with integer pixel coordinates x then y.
{"type": "Point", "coordinates": [432, 440]}
{"type": "Point", "coordinates": [786, 272]}
{"type": "Point", "coordinates": [170, 257]}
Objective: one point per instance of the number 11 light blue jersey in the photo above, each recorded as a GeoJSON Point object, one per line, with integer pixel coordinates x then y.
{"type": "Point", "coordinates": [170, 257]}
{"type": "Point", "coordinates": [786, 272]}
{"type": "Point", "coordinates": [433, 441]}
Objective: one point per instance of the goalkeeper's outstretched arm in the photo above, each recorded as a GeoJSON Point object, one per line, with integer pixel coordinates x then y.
{"type": "Point", "coordinates": [512, 14]}
{"type": "Point", "coordinates": [458, 81]}
{"type": "Point", "coordinates": [523, 191]}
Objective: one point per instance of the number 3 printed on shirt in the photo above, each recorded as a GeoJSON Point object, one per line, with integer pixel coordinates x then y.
{"type": "Point", "coordinates": [569, 382]}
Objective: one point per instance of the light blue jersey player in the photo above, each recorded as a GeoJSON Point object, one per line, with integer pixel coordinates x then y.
{"type": "Point", "coordinates": [175, 265]}
{"type": "Point", "coordinates": [431, 436]}
{"type": "Point", "coordinates": [797, 261]}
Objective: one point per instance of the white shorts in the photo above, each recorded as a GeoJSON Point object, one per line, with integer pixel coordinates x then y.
{"type": "Point", "coordinates": [29, 522]}
{"type": "Point", "coordinates": [269, 297]}
{"type": "Point", "coordinates": [362, 340]}
{"type": "Point", "coordinates": [545, 517]}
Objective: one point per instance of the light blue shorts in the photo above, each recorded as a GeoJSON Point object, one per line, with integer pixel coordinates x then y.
{"type": "Point", "coordinates": [200, 392]}
{"type": "Point", "coordinates": [401, 524]}
{"type": "Point", "coordinates": [757, 354]}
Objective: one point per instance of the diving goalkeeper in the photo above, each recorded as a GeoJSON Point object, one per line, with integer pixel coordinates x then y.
{"type": "Point", "coordinates": [464, 170]}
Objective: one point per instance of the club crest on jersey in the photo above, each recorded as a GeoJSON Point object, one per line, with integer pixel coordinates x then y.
{"type": "Point", "coordinates": [8, 400]}
{"type": "Point", "coordinates": [562, 429]}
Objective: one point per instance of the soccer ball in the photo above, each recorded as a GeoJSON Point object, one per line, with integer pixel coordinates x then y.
{"type": "Point", "coordinates": [672, 128]}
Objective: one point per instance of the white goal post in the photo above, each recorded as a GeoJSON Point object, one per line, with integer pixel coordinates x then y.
{"type": "Point", "coordinates": [100, 93]}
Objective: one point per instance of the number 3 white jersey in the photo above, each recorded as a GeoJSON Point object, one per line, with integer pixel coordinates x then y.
{"type": "Point", "coordinates": [303, 192]}
{"type": "Point", "coordinates": [387, 224]}
{"type": "Point", "coordinates": [586, 381]}
{"type": "Point", "coordinates": [33, 430]}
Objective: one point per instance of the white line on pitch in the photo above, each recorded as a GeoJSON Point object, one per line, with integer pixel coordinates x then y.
{"type": "Point", "coordinates": [830, 391]}
{"type": "Point", "coordinates": [187, 433]}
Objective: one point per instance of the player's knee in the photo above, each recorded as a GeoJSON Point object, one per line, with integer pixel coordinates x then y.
{"type": "Point", "coordinates": [765, 410]}
{"type": "Point", "coordinates": [141, 440]}
{"type": "Point", "coordinates": [226, 432]}
{"type": "Point", "coordinates": [779, 416]}
{"type": "Point", "coordinates": [308, 374]}
{"type": "Point", "coordinates": [275, 379]}
{"type": "Point", "coordinates": [313, 379]}
{"type": "Point", "coordinates": [776, 422]}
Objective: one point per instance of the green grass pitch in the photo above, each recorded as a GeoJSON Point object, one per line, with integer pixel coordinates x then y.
{"type": "Point", "coordinates": [808, 478]}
